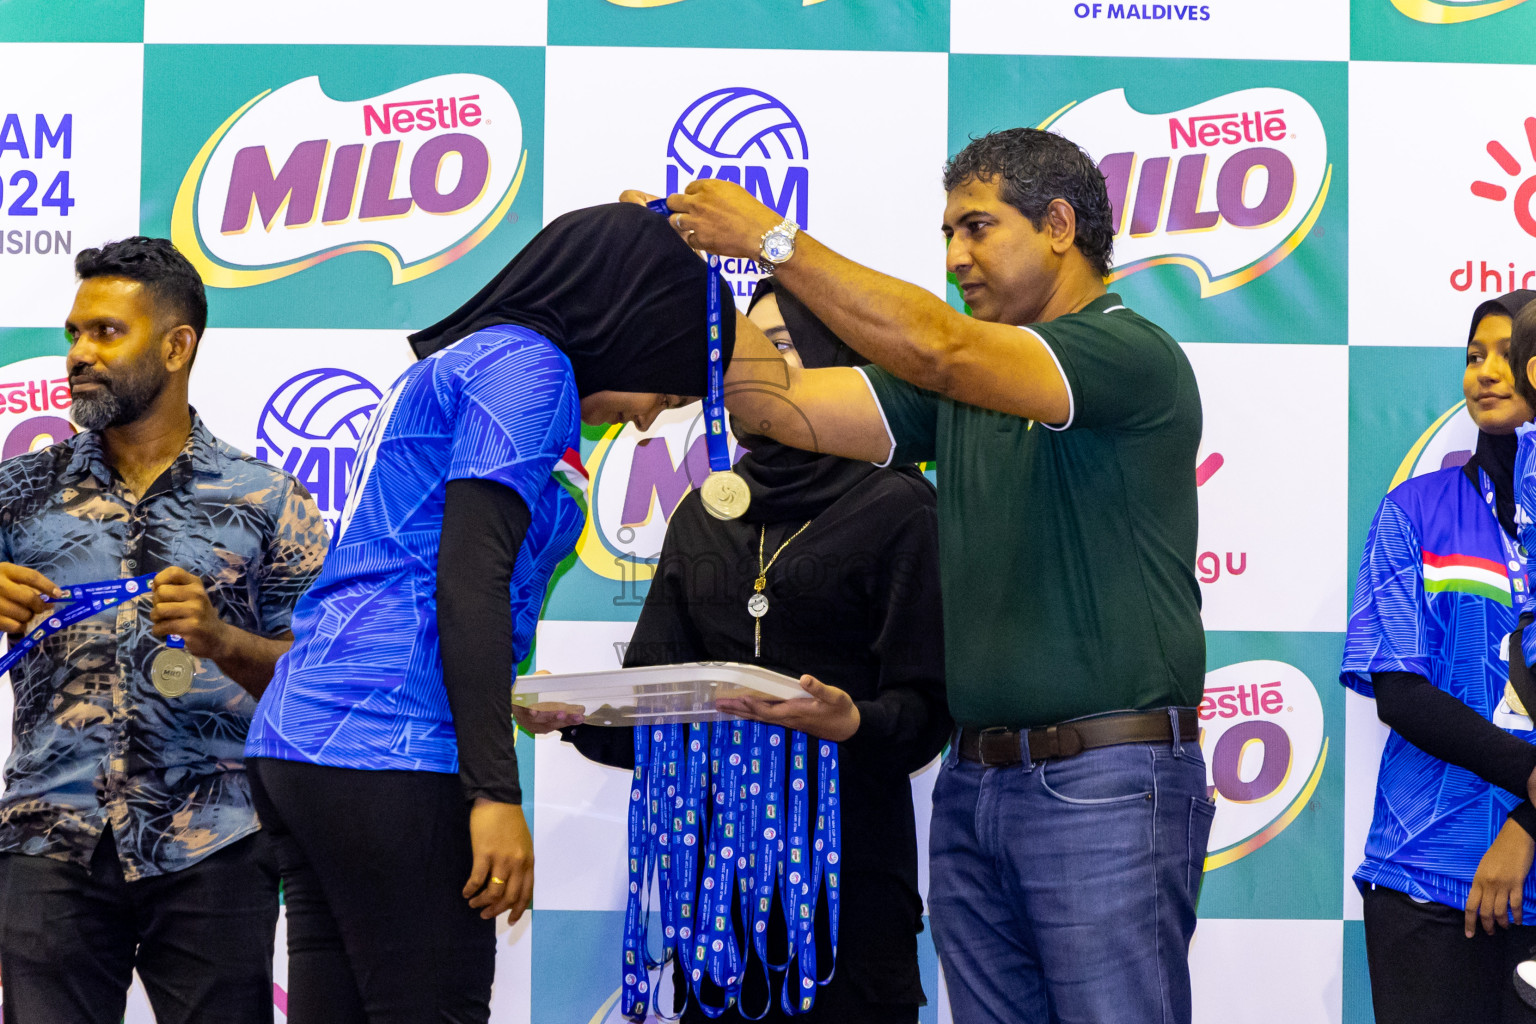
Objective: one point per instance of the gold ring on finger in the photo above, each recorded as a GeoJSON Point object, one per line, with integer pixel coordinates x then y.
{"type": "Point", "coordinates": [498, 881]}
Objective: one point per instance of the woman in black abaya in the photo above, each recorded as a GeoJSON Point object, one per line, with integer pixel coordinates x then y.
{"type": "Point", "coordinates": [853, 598]}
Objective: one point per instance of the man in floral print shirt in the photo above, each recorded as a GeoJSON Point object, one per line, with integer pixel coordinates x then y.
{"type": "Point", "coordinates": [127, 836]}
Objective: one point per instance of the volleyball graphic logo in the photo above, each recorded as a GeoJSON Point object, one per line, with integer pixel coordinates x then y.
{"type": "Point", "coordinates": [736, 124]}
{"type": "Point", "coordinates": [746, 136]}
{"type": "Point", "coordinates": [311, 427]}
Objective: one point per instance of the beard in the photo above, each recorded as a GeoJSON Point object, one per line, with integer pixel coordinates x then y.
{"type": "Point", "coordinates": [119, 400]}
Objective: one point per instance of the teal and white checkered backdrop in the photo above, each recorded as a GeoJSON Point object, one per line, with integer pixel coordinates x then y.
{"type": "Point", "coordinates": [1311, 195]}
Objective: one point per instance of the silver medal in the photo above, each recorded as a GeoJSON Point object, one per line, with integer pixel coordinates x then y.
{"type": "Point", "coordinates": [172, 671]}
{"type": "Point", "coordinates": [757, 605]}
{"type": "Point", "coordinates": [725, 495]}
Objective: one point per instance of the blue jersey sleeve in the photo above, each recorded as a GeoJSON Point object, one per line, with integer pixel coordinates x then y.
{"type": "Point", "coordinates": [514, 415]}
{"type": "Point", "coordinates": [1525, 488]}
{"type": "Point", "coordinates": [1386, 629]}
{"type": "Point", "coordinates": [1525, 519]}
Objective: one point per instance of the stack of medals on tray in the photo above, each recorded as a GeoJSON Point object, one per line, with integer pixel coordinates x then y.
{"type": "Point", "coordinates": [722, 834]}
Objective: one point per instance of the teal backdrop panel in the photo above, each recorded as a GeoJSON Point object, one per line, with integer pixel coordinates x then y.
{"type": "Point", "coordinates": [1460, 31]}
{"type": "Point", "coordinates": [1295, 873]}
{"type": "Point", "coordinates": [1399, 401]}
{"type": "Point", "coordinates": [1198, 249]}
{"type": "Point", "coordinates": [309, 184]}
{"type": "Point", "coordinates": [1357, 976]}
{"type": "Point", "coordinates": [17, 343]}
{"type": "Point", "coordinates": [752, 24]}
{"type": "Point", "coordinates": [71, 21]}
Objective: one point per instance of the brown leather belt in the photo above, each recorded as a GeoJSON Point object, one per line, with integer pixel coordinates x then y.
{"type": "Point", "coordinates": [997, 746]}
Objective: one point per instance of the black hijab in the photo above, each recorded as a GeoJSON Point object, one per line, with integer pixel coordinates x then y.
{"type": "Point", "coordinates": [788, 483]}
{"type": "Point", "coordinates": [616, 290]}
{"type": "Point", "coordinates": [1495, 453]}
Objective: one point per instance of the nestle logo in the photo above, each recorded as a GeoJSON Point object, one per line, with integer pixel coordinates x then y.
{"type": "Point", "coordinates": [1247, 700]}
{"type": "Point", "coordinates": [1227, 129]}
{"type": "Point", "coordinates": [422, 115]}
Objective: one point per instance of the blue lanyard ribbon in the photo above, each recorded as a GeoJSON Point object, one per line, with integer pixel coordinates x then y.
{"type": "Point", "coordinates": [715, 437]}
{"type": "Point", "coordinates": [85, 600]}
{"type": "Point", "coordinates": [636, 985]}
{"type": "Point", "coordinates": [721, 824]}
{"type": "Point", "coordinates": [1515, 555]}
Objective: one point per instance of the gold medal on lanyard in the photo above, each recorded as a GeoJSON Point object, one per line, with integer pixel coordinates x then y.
{"type": "Point", "coordinates": [173, 668]}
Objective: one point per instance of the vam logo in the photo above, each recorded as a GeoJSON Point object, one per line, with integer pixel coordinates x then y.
{"type": "Point", "coordinates": [638, 480]}
{"type": "Point", "coordinates": [420, 176]}
{"type": "Point", "coordinates": [312, 427]}
{"type": "Point", "coordinates": [1434, 12]}
{"type": "Point", "coordinates": [746, 136]}
{"type": "Point", "coordinates": [1227, 188]}
{"type": "Point", "coordinates": [1261, 730]}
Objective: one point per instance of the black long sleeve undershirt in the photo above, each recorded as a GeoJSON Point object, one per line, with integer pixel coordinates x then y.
{"type": "Point", "coordinates": [1442, 726]}
{"type": "Point", "coordinates": [483, 526]}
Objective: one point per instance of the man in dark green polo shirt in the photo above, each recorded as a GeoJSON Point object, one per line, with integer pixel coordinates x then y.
{"type": "Point", "coordinates": [1071, 818]}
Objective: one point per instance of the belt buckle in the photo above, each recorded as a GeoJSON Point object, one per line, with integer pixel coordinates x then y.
{"type": "Point", "coordinates": [981, 746]}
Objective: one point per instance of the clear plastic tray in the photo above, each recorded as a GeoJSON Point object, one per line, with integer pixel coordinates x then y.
{"type": "Point", "coordinates": [662, 694]}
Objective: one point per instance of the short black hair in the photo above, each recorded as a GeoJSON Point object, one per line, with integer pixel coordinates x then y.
{"type": "Point", "coordinates": [165, 273]}
{"type": "Point", "coordinates": [1522, 349]}
{"type": "Point", "coordinates": [1033, 167]}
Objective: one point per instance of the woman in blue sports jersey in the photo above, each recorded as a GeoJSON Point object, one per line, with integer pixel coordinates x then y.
{"type": "Point", "coordinates": [1445, 878]}
{"type": "Point", "coordinates": [382, 754]}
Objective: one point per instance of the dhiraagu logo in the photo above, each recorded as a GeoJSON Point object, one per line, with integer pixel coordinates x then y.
{"type": "Point", "coordinates": [418, 176]}
{"type": "Point", "coordinates": [1227, 188]}
{"type": "Point", "coordinates": [1435, 12]}
{"type": "Point", "coordinates": [1261, 730]}
{"type": "Point", "coordinates": [638, 480]}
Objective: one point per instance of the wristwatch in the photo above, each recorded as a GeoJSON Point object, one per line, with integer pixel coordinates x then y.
{"type": "Point", "coordinates": [778, 246]}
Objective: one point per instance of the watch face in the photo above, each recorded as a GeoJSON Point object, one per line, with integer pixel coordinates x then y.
{"type": "Point", "coordinates": [778, 246]}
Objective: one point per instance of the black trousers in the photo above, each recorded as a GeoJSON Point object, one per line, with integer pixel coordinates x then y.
{"type": "Point", "coordinates": [373, 864]}
{"type": "Point", "coordinates": [1424, 969]}
{"type": "Point", "coordinates": [200, 938]}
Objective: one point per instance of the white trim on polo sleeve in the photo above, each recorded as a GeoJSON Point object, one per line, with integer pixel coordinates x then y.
{"type": "Point", "coordinates": [887, 423]}
{"type": "Point", "coordinates": [1071, 399]}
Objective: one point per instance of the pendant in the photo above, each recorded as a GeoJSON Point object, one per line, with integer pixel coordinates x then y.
{"type": "Point", "coordinates": [172, 671]}
{"type": "Point", "coordinates": [757, 605]}
{"type": "Point", "coordinates": [725, 495]}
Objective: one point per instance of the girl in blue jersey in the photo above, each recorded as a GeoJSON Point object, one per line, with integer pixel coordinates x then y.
{"type": "Point", "coordinates": [382, 754]}
{"type": "Point", "coordinates": [1445, 878]}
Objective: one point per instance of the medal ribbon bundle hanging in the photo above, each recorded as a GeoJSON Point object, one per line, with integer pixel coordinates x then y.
{"type": "Point", "coordinates": [718, 826]}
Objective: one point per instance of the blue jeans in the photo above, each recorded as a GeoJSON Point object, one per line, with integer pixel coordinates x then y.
{"type": "Point", "coordinates": [1064, 891]}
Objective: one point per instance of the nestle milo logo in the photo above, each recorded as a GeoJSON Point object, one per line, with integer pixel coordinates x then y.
{"type": "Point", "coordinates": [418, 176]}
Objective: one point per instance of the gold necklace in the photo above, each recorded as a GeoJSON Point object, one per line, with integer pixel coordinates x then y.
{"type": "Point", "coordinates": [757, 604]}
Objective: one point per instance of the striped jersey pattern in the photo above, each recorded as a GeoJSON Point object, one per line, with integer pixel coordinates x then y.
{"type": "Point", "coordinates": [363, 685]}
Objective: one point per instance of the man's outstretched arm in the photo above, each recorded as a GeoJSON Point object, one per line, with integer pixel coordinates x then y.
{"type": "Point", "coordinates": [905, 329]}
{"type": "Point", "coordinates": [827, 410]}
